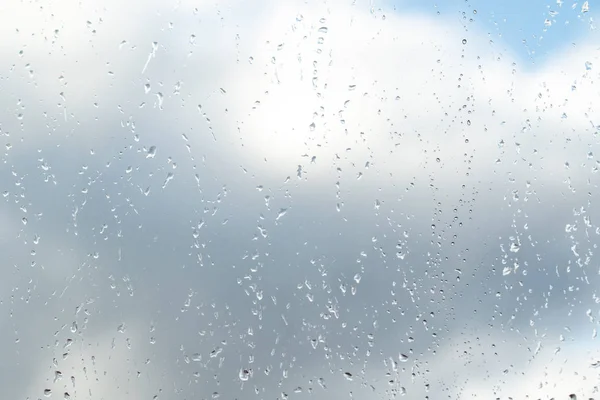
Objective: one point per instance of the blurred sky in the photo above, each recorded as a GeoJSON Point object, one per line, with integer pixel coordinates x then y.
{"type": "Point", "coordinates": [533, 29]}
{"type": "Point", "coordinates": [298, 200]}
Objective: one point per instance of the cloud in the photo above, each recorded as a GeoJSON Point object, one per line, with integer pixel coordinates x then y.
{"type": "Point", "coordinates": [101, 364]}
{"type": "Point", "coordinates": [435, 148]}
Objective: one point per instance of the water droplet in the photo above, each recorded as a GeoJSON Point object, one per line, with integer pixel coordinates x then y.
{"type": "Point", "coordinates": [168, 179]}
{"type": "Point", "coordinates": [348, 376]}
{"type": "Point", "coordinates": [47, 392]}
{"type": "Point", "coordinates": [245, 374]}
{"type": "Point", "coordinates": [588, 65]}
{"type": "Point", "coordinates": [281, 213]}
{"type": "Point", "coordinates": [151, 152]}
{"type": "Point", "coordinates": [585, 7]}
{"type": "Point", "coordinates": [216, 352]}
{"type": "Point", "coordinates": [403, 357]}
{"type": "Point", "coordinates": [464, 41]}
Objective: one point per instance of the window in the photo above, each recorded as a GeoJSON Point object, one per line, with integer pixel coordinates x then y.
{"type": "Point", "coordinates": [299, 200]}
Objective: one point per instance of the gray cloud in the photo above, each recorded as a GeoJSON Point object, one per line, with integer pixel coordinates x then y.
{"type": "Point", "coordinates": [240, 264]}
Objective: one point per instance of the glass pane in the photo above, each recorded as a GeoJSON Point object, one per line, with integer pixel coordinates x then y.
{"type": "Point", "coordinates": [299, 199]}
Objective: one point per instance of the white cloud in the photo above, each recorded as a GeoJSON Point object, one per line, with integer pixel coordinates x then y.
{"type": "Point", "coordinates": [380, 77]}
{"type": "Point", "coordinates": [397, 81]}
